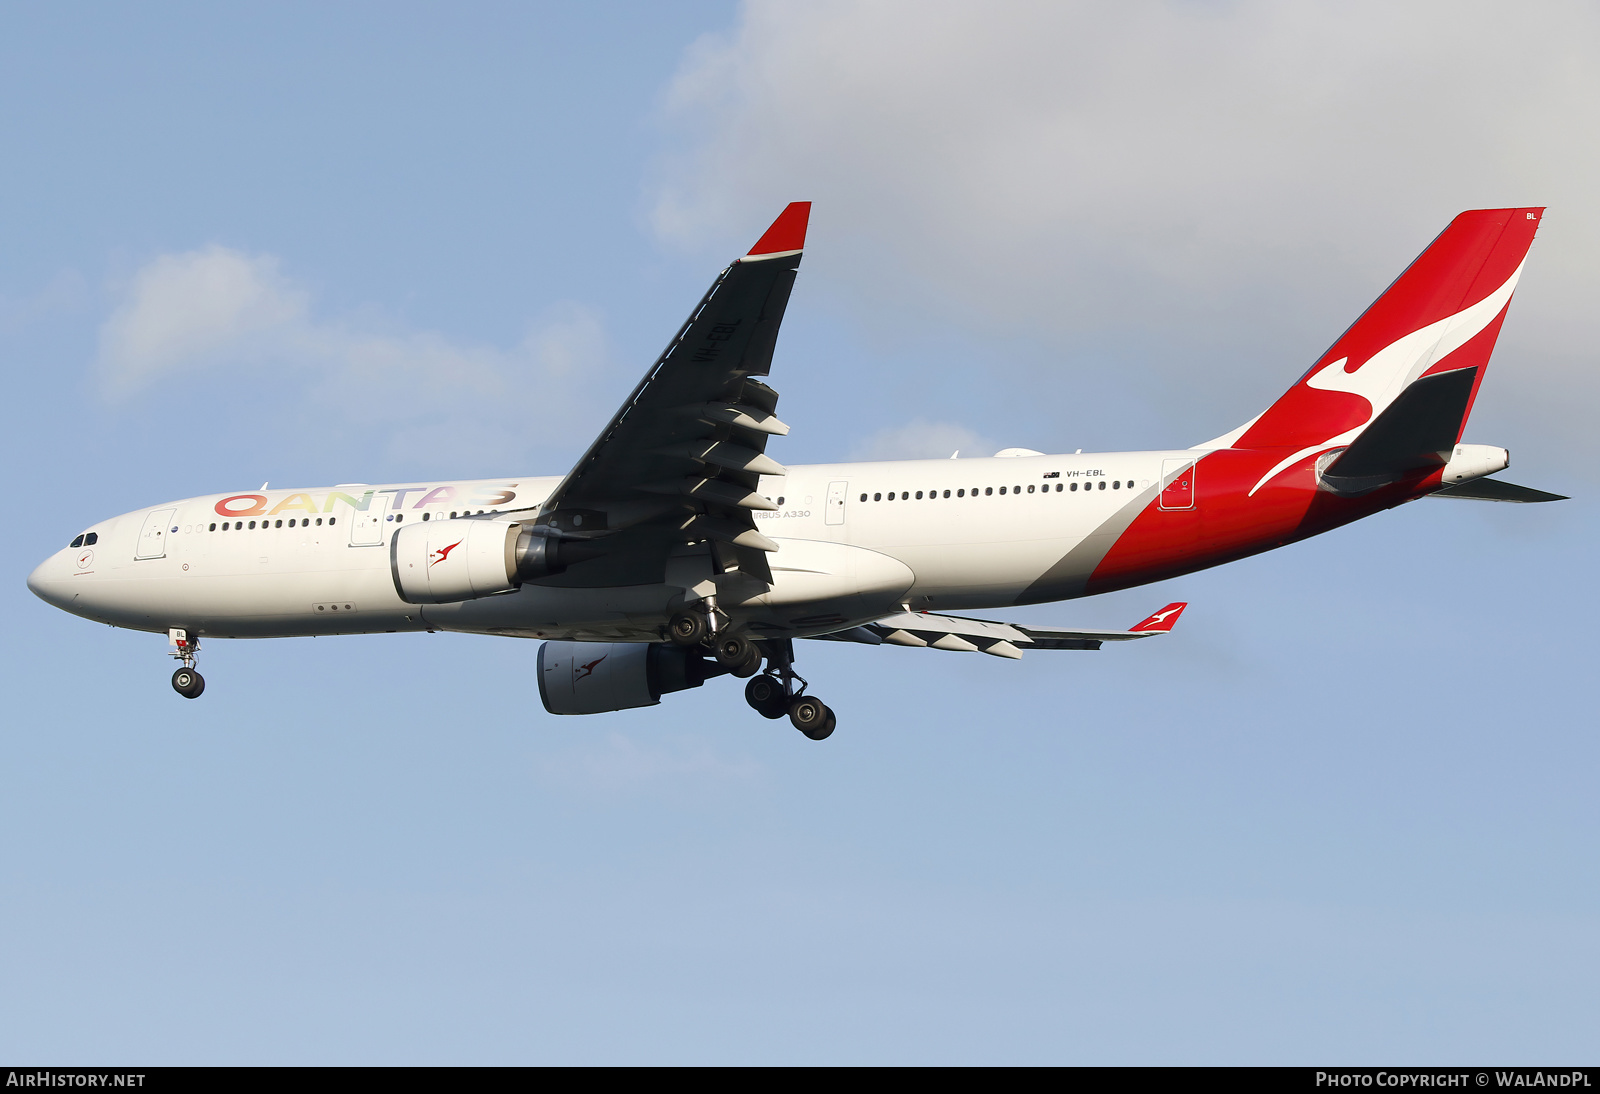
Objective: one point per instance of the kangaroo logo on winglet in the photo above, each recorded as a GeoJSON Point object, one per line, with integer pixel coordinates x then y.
{"type": "Point", "coordinates": [1164, 620]}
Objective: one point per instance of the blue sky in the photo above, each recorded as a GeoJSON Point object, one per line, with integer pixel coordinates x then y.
{"type": "Point", "coordinates": [1345, 813]}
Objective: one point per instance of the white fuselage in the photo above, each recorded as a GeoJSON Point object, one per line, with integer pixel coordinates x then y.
{"type": "Point", "coordinates": [958, 534]}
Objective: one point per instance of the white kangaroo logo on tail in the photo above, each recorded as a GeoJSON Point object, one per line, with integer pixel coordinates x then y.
{"type": "Point", "coordinates": [1384, 375]}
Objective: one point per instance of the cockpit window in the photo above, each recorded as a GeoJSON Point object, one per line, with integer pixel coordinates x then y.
{"type": "Point", "coordinates": [91, 538]}
{"type": "Point", "coordinates": [78, 542]}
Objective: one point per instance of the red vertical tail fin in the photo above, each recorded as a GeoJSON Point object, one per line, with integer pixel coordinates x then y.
{"type": "Point", "coordinates": [1442, 315]}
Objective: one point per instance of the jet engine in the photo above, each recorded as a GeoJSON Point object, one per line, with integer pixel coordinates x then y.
{"type": "Point", "coordinates": [445, 561]}
{"type": "Point", "coordinates": [595, 677]}
{"type": "Point", "coordinates": [1473, 461]}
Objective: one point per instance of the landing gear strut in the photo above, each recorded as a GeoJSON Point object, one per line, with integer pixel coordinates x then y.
{"type": "Point", "coordinates": [186, 681]}
{"type": "Point", "coordinates": [772, 693]}
{"type": "Point", "coordinates": [775, 693]}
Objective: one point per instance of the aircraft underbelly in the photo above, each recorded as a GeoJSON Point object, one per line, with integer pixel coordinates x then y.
{"type": "Point", "coordinates": [991, 572]}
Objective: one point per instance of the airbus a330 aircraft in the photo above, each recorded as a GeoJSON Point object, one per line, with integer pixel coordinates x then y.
{"type": "Point", "coordinates": [677, 550]}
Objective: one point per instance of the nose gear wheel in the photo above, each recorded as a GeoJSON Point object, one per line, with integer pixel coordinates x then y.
{"type": "Point", "coordinates": [188, 683]}
{"type": "Point", "coordinates": [186, 648]}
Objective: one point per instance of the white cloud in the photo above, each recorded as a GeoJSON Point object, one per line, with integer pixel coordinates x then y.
{"type": "Point", "coordinates": [222, 311]}
{"type": "Point", "coordinates": [1240, 175]}
{"type": "Point", "coordinates": [921, 440]}
{"type": "Point", "coordinates": [184, 311]}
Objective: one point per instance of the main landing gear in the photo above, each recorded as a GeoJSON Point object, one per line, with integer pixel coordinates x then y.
{"type": "Point", "coordinates": [186, 681]}
{"type": "Point", "coordinates": [772, 693]}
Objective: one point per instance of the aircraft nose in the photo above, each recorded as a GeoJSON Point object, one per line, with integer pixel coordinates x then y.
{"type": "Point", "coordinates": [50, 581]}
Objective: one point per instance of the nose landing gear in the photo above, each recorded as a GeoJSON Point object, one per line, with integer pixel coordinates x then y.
{"type": "Point", "coordinates": [186, 681]}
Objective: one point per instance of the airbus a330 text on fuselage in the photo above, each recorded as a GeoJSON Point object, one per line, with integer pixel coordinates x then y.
{"type": "Point", "coordinates": [677, 549]}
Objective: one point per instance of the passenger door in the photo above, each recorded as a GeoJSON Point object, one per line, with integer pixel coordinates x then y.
{"type": "Point", "coordinates": [834, 512]}
{"type": "Point", "coordinates": [153, 536]}
{"type": "Point", "coordinates": [366, 526]}
{"type": "Point", "coordinates": [1177, 478]}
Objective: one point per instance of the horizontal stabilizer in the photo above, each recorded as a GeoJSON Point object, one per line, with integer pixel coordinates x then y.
{"type": "Point", "coordinates": [1495, 490]}
{"type": "Point", "coordinates": [1414, 433]}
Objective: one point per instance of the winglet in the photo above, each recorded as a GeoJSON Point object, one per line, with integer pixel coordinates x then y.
{"type": "Point", "coordinates": [1162, 620]}
{"type": "Point", "coordinates": [787, 234]}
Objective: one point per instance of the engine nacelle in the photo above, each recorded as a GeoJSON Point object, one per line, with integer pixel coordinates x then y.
{"type": "Point", "coordinates": [447, 561]}
{"type": "Point", "coordinates": [596, 677]}
{"type": "Point", "coordinates": [444, 561]}
{"type": "Point", "coordinates": [1473, 461]}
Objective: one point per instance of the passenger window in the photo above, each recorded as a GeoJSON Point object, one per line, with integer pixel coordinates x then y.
{"type": "Point", "coordinates": [1030, 488]}
{"type": "Point", "coordinates": [77, 541]}
{"type": "Point", "coordinates": [425, 516]}
{"type": "Point", "coordinates": [319, 522]}
{"type": "Point", "coordinates": [1074, 488]}
{"type": "Point", "coordinates": [1116, 484]}
{"type": "Point", "coordinates": [961, 493]}
{"type": "Point", "coordinates": [863, 497]}
{"type": "Point", "coordinates": [780, 499]}
{"type": "Point", "coordinates": [277, 524]}
{"type": "Point", "coordinates": [398, 517]}
{"type": "Point", "coordinates": [1002, 491]}
{"type": "Point", "coordinates": [919, 495]}
{"type": "Point", "coordinates": [877, 497]}
{"type": "Point", "coordinates": [947, 493]}
{"type": "Point", "coordinates": [1102, 484]}
{"type": "Point", "coordinates": [987, 490]}
{"type": "Point", "coordinates": [213, 528]}
{"type": "Point", "coordinates": [252, 525]}
{"type": "Point", "coordinates": [452, 514]}
{"type": "Point", "coordinates": [330, 521]}
{"type": "Point", "coordinates": [1016, 489]}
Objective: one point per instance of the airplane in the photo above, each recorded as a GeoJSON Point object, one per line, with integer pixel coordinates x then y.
{"type": "Point", "coordinates": [676, 550]}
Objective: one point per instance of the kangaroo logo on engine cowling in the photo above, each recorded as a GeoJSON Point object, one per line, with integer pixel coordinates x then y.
{"type": "Point", "coordinates": [444, 553]}
{"type": "Point", "coordinates": [588, 670]}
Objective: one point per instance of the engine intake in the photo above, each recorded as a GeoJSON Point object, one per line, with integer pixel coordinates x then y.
{"type": "Point", "coordinates": [596, 677]}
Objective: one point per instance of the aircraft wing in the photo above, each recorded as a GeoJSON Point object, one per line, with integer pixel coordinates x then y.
{"type": "Point", "coordinates": [680, 462]}
{"type": "Point", "coordinates": [958, 633]}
